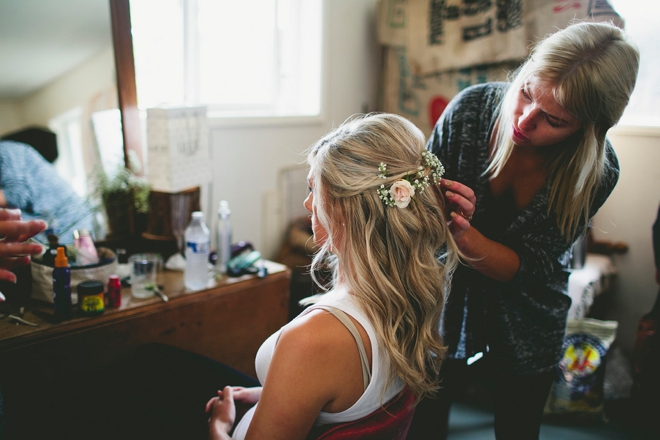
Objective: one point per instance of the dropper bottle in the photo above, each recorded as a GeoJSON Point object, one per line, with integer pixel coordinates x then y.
{"type": "Point", "coordinates": [62, 286]}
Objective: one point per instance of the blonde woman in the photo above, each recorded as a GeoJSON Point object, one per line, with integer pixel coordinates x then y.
{"type": "Point", "coordinates": [378, 217]}
{"type": "Point", "coordinates": [534, 154]}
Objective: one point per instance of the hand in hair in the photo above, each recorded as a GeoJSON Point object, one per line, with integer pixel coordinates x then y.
{"type": "Point", "coordinates": [13, 251]}
{"type": "Point", "coordinates": [460, 207]}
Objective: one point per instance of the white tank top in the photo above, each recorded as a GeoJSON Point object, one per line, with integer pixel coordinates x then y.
{"type": "Point", "coordinates": [372, 398]}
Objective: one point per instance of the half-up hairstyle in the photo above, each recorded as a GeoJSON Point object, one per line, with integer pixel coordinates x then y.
{"type": "Point", "coordinates": [592, 68]}
{"type": "Point", "coordinates": [386, 256]}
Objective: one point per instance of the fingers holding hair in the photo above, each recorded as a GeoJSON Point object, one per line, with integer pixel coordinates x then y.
{"type": "Point", "coordinates": [461, 198]}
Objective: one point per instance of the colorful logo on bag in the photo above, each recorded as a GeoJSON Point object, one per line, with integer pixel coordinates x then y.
{"type": "Point", "coordinates": [583, 354]}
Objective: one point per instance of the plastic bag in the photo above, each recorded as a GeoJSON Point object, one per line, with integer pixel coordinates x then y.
{"type": "Point", "coordinates": [581, 370]}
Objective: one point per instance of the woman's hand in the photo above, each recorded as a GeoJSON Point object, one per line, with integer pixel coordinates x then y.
{"type": "Point", "coordinates": [489, 257]}
{"type": "Point", "coordinates": [248, 396]}
{"type": "Point", "coordinates": [13, 232]}
{"type": "Point", "coordinates": [461, 207]}
{"type": "Point", "coordinates": [223, 414]}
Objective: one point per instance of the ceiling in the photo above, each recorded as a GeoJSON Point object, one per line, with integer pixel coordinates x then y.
{"type": "Point", "coordinates": [42, 39]}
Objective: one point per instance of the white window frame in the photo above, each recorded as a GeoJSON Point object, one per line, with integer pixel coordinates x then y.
{"type": "Point", "coordinates": [262, 115]}
{"type": "Point", "coordinates": [70, 163]}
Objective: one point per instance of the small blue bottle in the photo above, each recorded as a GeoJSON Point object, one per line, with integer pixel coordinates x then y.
{"type": "Point", "coordinates": [62, 286]}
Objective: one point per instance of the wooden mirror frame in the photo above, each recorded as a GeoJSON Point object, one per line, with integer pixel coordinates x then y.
{"type": "Point", "coordinates": [120, 16]}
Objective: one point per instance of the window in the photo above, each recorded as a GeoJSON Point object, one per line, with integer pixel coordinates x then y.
{"type": "Point", "coordinates": [641, 25]}
{"type": "Point", "coordinates": [238, 57]}
{"type": "Point", "coordinates": [69, 164]}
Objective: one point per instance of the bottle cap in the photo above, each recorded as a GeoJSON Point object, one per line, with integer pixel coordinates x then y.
{"type": "Point", "coordinates": [197, 214]}
{"type": "Point", "coordinates": [60, 258]}
{"type": "Point", "coordinates": [90, 287]}
{"type": "Point", "coordinates": [53, 240]}
{"type": "Point", "coordinates": [122, 257]}
{"type": "Point", "coordinates": [224, 207]}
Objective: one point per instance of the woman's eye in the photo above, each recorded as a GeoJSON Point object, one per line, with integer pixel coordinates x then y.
{"type": "Point", "coordinates": [524, 93]}
{"type": "Point", "coordinates": [551, 123]}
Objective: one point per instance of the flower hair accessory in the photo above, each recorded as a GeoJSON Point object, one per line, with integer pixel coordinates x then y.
{"type": "Point", "coordinates": [401, 192]}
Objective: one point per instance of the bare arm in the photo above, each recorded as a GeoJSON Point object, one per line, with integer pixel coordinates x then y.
{"type": "Point", "coordinates": [489, 257]}
{"type": "Point", "coordinates": [315, 367]}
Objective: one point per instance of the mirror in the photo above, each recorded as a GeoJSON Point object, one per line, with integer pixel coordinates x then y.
{"type": "Point", "coordinates": [66, 65]}
{"type": "Point", "coordinates": [125, 67]}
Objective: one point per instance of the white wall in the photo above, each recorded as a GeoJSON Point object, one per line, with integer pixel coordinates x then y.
{"type": "Point", "coordinates": [9, 120]}
{"type": "Point", "coordinates": [627, 216]}
{"type": "Point", "coordinates": [247, 158]}
{"type": "Point", "coordinates": [73, 89]}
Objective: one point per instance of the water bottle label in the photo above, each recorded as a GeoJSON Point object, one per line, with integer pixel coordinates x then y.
{"type": "Point", "coordinates": [198, 247]}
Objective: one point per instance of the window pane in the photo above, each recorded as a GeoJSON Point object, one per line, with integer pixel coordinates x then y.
{"type": "Point", "coordinates": [238, 52]}
{"type": "Point", "coordinates": [641, 24]}
{"type": "Point", "coordinates": [157, 28]}
{"type": "Point", "coordinates": [237, 57]}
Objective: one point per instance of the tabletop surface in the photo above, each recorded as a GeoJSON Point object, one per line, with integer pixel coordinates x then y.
{"type": "Point", "coordinates": [42, 313]}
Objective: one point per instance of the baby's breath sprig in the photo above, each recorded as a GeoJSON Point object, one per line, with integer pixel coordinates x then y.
{"type": "Point", "coordinates": [431, 161]}
{"type": "Point", "coordinates": [382, 168]}
{"type": "Point", "coordinates": [385, 196]}
{"type": "Point", "coordinates": [418, 180]}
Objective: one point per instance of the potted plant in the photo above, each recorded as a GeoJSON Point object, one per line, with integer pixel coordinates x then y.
{"type": "Point", "coordinates": [125, 198]}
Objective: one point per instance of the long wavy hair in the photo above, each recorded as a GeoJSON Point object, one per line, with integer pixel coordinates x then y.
{"type": "Point", "coordinates": [386, 256]}
{"type": "Point", "coordinates": [592, 68]}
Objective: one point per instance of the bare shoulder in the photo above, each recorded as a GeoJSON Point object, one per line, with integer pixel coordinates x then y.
{"type": "Point", "coordinates": [327, 351]}
{"type": "Point", "coordinates": [312, 370]}
{"type": "Point", "coordinates": [316, 332]}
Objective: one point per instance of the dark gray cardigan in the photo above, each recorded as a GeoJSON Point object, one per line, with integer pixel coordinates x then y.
{"type": "Point", "coordinates": [520, 322]}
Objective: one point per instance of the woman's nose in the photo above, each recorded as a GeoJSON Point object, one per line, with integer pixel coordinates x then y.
{"type": "Point", "coordinates": [526, 120]}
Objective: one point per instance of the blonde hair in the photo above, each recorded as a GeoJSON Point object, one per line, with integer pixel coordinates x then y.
{"type": "Point", "coordinates": [592, 68]}
{"type": "Point", "coordinates": [388, 257]}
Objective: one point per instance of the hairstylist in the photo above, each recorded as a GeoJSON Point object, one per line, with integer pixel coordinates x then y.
{"type": "Point", "coordinates": [535, 156]}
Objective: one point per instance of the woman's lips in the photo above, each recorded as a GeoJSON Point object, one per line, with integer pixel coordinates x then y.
{"type": "Point", "coordinates": [518, 134]}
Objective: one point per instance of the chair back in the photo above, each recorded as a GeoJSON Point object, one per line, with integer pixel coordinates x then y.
{"type": "Point", "coordinates": [390, 422]}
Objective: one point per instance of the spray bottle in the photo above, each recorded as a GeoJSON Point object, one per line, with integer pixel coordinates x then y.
{"type": "Point", "coordinates": [62, 286]}
{"type": "Point", "coordinates": [223, 237]}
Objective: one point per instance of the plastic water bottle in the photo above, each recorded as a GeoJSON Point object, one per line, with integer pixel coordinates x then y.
{"type": "Point", "coordinates": [223, 237]}
{"type": "Point", "coordinates": [198, 244]}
